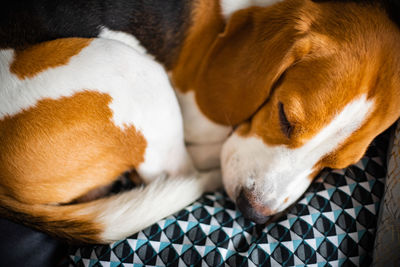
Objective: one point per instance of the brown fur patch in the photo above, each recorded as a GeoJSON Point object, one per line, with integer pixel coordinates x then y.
{"type": "Point", "coordinates": [243, 63]}
{"type": "Point", "coordinates": [206, 24]}
{"type": "Point", "coordinates": [30, 61]}
{"type": "Point", "coordinates": [60, 149]}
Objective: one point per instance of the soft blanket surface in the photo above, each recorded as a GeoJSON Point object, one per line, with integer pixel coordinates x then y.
{"type": "Point", "coordinates": [334, 223]}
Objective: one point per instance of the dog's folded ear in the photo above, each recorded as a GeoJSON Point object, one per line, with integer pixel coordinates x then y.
{"type": "Point", "coordinates": [245, 61]}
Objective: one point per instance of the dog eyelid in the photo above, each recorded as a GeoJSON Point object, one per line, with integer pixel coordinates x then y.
{"type": "Point", "coordinates": [286, 127]}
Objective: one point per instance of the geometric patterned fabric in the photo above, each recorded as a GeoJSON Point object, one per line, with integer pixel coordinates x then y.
{"type": "Point", "coordinates": [332, 224]}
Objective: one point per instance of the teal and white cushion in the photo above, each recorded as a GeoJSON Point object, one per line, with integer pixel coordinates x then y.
{"type": "Point", "coordinates": [332, 224]}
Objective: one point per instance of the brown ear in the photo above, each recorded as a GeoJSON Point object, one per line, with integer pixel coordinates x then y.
{"type": "Point", "coordinates": [245, 61]}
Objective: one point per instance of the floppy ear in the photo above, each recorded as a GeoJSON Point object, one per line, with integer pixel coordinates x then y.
{"type": "Point", "coordinates": [245, 61]}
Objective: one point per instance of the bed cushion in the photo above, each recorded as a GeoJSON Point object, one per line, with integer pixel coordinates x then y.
{"type": "Point", "coordinates": [334, 222]}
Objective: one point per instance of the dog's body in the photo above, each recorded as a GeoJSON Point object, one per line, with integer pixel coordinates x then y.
{"type": "Point", "coordinates": [251, 69]}
{"type": "Point", "coordinates": [74, 115]}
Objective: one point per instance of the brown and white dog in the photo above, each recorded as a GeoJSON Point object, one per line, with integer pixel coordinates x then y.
{"type": "Point", "coordinates": [305, 85]}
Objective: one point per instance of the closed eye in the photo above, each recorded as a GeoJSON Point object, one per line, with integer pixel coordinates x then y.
{"type": "Point", "coordinates": [286, 127]}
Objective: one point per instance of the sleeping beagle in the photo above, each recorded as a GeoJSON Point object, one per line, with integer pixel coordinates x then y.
{"type": "Point", "coordinates": [304, 84]}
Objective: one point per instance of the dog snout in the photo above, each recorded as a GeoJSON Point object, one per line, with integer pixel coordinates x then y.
{"type": "Point", "coordinates": [250, 209]}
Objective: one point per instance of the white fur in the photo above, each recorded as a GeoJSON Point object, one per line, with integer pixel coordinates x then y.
{"type": "Point", "coordinates": [231, 6]}
{"type": "Point", "coordinates": [197, 127]}
{"type": "Point", "coordinates": [141, 96]}
{"type": "Point", "coordinates": [275, 173]}
{"type": "Point", "coordinates": [204, 137]}
{"type": "Point", "coordinates": [133, 211]}
{"type": "Point", "coordinates": [122, 37]}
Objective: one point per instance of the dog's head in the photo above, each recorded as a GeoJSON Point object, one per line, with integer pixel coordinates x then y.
{"type": "Point", "coordinates": [307, 85]}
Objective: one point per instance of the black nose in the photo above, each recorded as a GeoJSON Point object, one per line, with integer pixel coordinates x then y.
{"type": "Point", "coordinates": [248, 210]}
